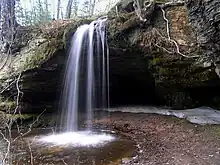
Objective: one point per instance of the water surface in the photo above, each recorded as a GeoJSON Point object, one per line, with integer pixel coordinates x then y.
{"type": "Point", "coordinates": [30, 150]}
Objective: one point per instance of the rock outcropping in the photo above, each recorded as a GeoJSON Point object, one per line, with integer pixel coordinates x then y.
{"type": "Point", "coordinates": [37, 68]}
{"type": "Point", "coordinates": [176, 67]}
{"type": "Point", "coordinates": [171, 58]}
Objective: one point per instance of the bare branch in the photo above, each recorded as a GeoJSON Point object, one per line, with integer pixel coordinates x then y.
{"type": "Point", "coordinates": [10, 121]}
{"type": "Point", "coordinates": [116, 10]}
{"type": "Point", "coordinates": [30, 127]}
{"type": "Point", "coordinates": [8, 86]}
{"type": "Point", "coordinates": [138, 9]}
{"type": "Point", "coordinates": [8, 148]}
{"type": "Point", "coordinates": [19, 92]}
{"type": "Point", "coordinates": [170, 4]}
{"type": "Point", "coordinates": [31, 154]}
{"type": "Point", "coordinates": [163, 49]}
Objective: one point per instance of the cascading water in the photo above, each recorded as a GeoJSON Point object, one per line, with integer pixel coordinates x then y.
{"type": "Point", "coordinates": [86, 85]}
{"type": "Point", "coordinates": [86, 77]}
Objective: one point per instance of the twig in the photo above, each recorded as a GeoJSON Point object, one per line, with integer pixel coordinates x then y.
{"type": "Point", "coordinates": [31, 159]}
{"type": "Point", "coordinates": [116, 10]}
{"type": "Point", "coordinates": [30, 127]}
{"type": "Point", "coordinates": [31, 154]}
{"type": "Point", "coordinates": [8, 148]}
{"type": "Point", "coordinates": [137, 8]}
{"type": "Point", "coordinates": [163, 49]}
{"type": "Point", "coordinates": [8, 86]}
{"type": "Point", "coordinates": [170, 4]}
{"type": "Point", "coordinates": [19, 92]}
{"type": "Point", "coordinates": [10, 121]}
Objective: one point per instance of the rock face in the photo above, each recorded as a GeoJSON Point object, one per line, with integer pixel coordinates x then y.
{"type": "Point", "coordinates": [205, 19]}
{"type": "Point", "coordinates": [41, 65]}
{"type": "Point", "coordinates": [170, 59]}
{"type": "Point", "coordinates": [158, 70]}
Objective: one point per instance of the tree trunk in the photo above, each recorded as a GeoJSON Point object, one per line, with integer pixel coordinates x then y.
{"type": "Point", "coordinates": [75, 8]}
{"type": "Point", "coordinates": [69, 8]}
{"type": "Point", "coordinates": [8, 19]}
{"type": "Point", "coordinates": [92, 7]}
{"type": "Point", "coordinates": [58, 9]}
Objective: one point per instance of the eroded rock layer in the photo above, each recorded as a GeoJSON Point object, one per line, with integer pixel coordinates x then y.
{"type": "Point", "coordinates": [170, 58]}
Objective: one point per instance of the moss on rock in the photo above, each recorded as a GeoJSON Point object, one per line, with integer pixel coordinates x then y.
{"type": "Point", "coordinates": [40, 61]}
{"type": "Point", "coordinates": [177, 79]}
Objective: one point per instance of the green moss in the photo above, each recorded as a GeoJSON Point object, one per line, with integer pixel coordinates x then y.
{"type": "Point", "coordinates": [20, 116]}
{"type": "Point", "coordinates": [7, 104]}
{"type": "Point", "coordinates": [54, 42]}
{"type": "Point", "coordinates": [42, 54]}
{"type": "Point", "coordinates": [163, 71]}
{"type": "Point", "coordinates": [68, 32]}
{"type": "Point", "coordinates": [11, 104]}
{"type": "Point", "coordinates": [156, 60]}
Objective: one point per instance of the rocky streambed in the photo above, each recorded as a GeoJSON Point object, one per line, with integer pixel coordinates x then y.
{"type": "Point", "coordinates": [167, 140]}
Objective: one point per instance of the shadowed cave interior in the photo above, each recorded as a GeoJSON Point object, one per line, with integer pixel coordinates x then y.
{"type": "Point", "coordinates": [132, 83]}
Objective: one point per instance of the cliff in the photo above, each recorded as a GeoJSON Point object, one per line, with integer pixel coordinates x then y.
{"type": "Point", "coordinates": [169, 58]}
{"type": "Point", "coordinates": [172, 57]}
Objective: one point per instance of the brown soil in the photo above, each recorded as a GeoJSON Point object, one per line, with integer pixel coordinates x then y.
{"type": "Point", "coordinates": [167, 140]}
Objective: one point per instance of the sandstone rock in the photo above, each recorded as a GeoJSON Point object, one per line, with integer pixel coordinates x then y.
{"type": "Point", "coordinates": [141, 51]}
{"type": "Point", "coordinates": [41, 63]}
{"type": "Point", "coordinates": [145, 66]}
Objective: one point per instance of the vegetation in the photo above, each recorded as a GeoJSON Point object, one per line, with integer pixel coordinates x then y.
{"type": "Point", "coordinates": [35, 35]}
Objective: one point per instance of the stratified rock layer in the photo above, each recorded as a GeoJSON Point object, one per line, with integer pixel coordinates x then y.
{"type": "Point", "coordinates": [181, 79]}
{"type": "Point", "coordinates": [204, 17]}
{"type": "Point", "coordinates": [149, 63]}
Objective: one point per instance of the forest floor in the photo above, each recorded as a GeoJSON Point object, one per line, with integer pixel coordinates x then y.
{"type": "Point", "coordinates": [166, 140]}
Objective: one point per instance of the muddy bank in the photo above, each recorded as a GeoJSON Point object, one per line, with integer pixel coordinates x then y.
{"type": "Point", "coordinates": [166, 140]}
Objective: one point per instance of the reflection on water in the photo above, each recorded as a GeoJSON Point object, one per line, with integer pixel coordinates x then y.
{"type": "Point", "coordinates": [30, 150]}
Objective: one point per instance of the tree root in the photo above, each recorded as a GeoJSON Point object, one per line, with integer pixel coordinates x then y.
{"type": "Point", "coordinates": [172, 40]}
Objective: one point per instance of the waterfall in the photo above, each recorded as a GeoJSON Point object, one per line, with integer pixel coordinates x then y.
{"type": "Point", "coordinates": [86, 82]}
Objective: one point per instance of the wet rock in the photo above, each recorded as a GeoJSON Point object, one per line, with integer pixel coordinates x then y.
{"type": "Point", "coordinates": [167, 77]}
{"type": "Point", "coordinates": [146, 67]}
{"type": "Point", "coordinates": [40, 60]}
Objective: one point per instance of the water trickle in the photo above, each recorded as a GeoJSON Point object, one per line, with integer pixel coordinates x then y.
{"type": "Point", "coordinates": [86, 76]}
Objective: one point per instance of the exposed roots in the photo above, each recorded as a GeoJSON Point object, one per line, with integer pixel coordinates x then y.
{"type": "Point", "coordinates": [171, 40]}
{"type": "Point", "coordinates": [154, 39]}
{"type": "Point", "coordinates": [170, 4]}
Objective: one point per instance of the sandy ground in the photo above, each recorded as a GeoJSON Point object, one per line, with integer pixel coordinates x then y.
{"type": "Point", "coordinates": [166, 140]}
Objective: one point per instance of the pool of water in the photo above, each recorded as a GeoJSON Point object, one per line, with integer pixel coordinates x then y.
{"type": "Point", "coordinates": [42, 148]}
